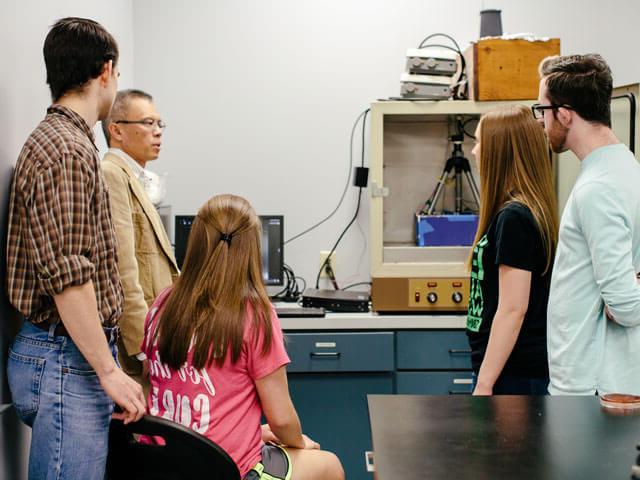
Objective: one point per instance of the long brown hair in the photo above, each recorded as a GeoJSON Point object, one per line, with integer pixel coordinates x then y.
{"type": "Point", "coordinates": [515, 167]}
{"type": "Point", "coordinates": [220, 278]}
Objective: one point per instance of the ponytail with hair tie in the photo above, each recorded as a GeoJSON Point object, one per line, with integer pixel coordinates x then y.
{"type": "Point", "coordinates": [226, 237]}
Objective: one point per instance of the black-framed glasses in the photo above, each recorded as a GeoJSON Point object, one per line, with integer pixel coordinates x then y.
{"type": "Point", "coordinates": [538, 110]}
{"type": "Point", "coordinates": [147, 122]}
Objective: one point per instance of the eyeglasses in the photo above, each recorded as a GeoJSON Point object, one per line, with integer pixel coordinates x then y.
{"type": "Point", "coordinates": [538, 110]}
{"type": "Point", "coordinates": [147, 122]}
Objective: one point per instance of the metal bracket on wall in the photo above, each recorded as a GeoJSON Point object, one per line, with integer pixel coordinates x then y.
{"type": "Point", "coordinates": [632, 118]}
{"type": "Point", "coordinates": [369, 462]}
{"type": "Point", "coordinates": [377, 191]}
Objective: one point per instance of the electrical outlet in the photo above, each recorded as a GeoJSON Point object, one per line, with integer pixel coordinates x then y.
{"type": "Point", "coordinates": [323, 255]}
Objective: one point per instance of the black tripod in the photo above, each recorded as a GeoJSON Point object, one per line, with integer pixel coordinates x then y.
{"type": "Point", "coordinates": [458, 163]}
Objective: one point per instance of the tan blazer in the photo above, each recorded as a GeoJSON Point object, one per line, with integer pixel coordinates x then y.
{"type": "Point", "coordinates": [145, 257]}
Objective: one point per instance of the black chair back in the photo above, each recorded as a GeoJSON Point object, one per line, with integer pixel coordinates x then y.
{"type": "Point", "coordinates": [186, 455]}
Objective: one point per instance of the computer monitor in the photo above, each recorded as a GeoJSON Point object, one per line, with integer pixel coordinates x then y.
{"type": "Point", "coordinates": [272, 245]}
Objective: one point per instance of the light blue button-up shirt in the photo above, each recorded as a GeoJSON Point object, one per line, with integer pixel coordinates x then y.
{"type": "Point", "coordinates": [596, 262]}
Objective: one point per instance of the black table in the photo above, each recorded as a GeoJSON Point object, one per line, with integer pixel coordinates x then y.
{"type": "Point", "coordinates": [500, 437]}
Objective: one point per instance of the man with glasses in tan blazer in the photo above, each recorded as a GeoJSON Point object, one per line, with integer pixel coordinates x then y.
{"type": "Point", "coordinates": [145, 258]}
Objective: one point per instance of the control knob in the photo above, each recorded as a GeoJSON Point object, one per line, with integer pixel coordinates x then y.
{"type": "Point", "coordinates": [456, 297]}
{"type": "Point", "coordinates": [432, 297]}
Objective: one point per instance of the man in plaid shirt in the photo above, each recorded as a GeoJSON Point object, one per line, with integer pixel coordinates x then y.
{"type": "Point", "coordinates": [62, 270]}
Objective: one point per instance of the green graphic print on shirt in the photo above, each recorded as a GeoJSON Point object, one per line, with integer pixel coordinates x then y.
{"type": "Point", "coordinates": [476, 300]}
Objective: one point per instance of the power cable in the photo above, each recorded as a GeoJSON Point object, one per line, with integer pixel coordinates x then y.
{"type": "Point", "coordinates": [346, 187]}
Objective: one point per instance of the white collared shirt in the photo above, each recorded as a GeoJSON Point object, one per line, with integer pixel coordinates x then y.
{"type": "Point", "coordinates": [137, 169]}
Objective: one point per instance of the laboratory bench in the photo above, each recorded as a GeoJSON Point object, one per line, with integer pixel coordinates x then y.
{"type": "Point", "coordinates": [501, 437]}
{"type": "Point", "coordinates": [337, 360]}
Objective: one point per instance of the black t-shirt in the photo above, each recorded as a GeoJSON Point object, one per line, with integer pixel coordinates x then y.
{"type": "Point", "coordinates": [512, 239]}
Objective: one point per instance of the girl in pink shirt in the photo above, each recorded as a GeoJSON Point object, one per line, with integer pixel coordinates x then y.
{"type": "Point", "coordinates": [216, 356]}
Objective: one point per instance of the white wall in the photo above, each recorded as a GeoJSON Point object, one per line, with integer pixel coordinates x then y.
{"type": "Point", "coordinates": [24, 24]}
{"type": "Point", "coordinates": [608, 27]}
{"type": "Point", "coordinates": [260, 96]}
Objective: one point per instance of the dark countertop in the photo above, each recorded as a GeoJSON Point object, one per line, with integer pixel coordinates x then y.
{"type": "Point", "coordinates": [500, 437]}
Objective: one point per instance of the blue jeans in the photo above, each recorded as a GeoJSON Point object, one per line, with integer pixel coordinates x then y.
{"type": "Point", "coordinates": [57, 393]}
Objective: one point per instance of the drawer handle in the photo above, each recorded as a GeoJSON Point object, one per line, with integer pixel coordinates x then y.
{"type": "Point", "coordinates": [459, 351]}
{"type": "Point", "coordinates": [459, 392]}
{"type": "Point", "coordinates": [324, 354]}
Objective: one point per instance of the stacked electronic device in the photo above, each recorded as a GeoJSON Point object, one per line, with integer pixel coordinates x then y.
{"type": "Point", "coordinates": [431, 73]}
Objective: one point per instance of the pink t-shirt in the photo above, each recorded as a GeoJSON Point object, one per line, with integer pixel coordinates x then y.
{"type": "Point", "coordinates": [221, 403]}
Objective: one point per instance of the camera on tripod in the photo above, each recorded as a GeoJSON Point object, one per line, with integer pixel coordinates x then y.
{"type": "Point", "coordinates": [459, 227]}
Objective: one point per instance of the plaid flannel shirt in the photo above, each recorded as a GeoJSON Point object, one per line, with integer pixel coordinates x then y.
{"type": "Point", "coordinates": [60, 231]}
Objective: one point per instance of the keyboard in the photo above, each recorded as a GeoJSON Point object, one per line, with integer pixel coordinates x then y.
{"type": "Point", "coordinates": [299, 312]}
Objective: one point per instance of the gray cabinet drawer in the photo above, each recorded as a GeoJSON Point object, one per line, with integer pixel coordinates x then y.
{"type": "Point", "coordinates": [437, 350]}
{"type": "Point", "coordinates": [434, 383]}
{"type": "Point", "coordinates": [340, 352]}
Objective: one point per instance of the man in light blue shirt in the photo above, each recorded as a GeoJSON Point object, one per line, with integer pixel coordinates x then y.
{"type": "Point", "coordinates": [593, 318]}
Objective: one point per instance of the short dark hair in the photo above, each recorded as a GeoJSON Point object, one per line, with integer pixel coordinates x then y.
{"type": "Point", "coordinates": [119, 108]}
{"type": "Point", "coordinates": [582, 81]}
{"type": "Point", "coordinates": [75, 52]}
